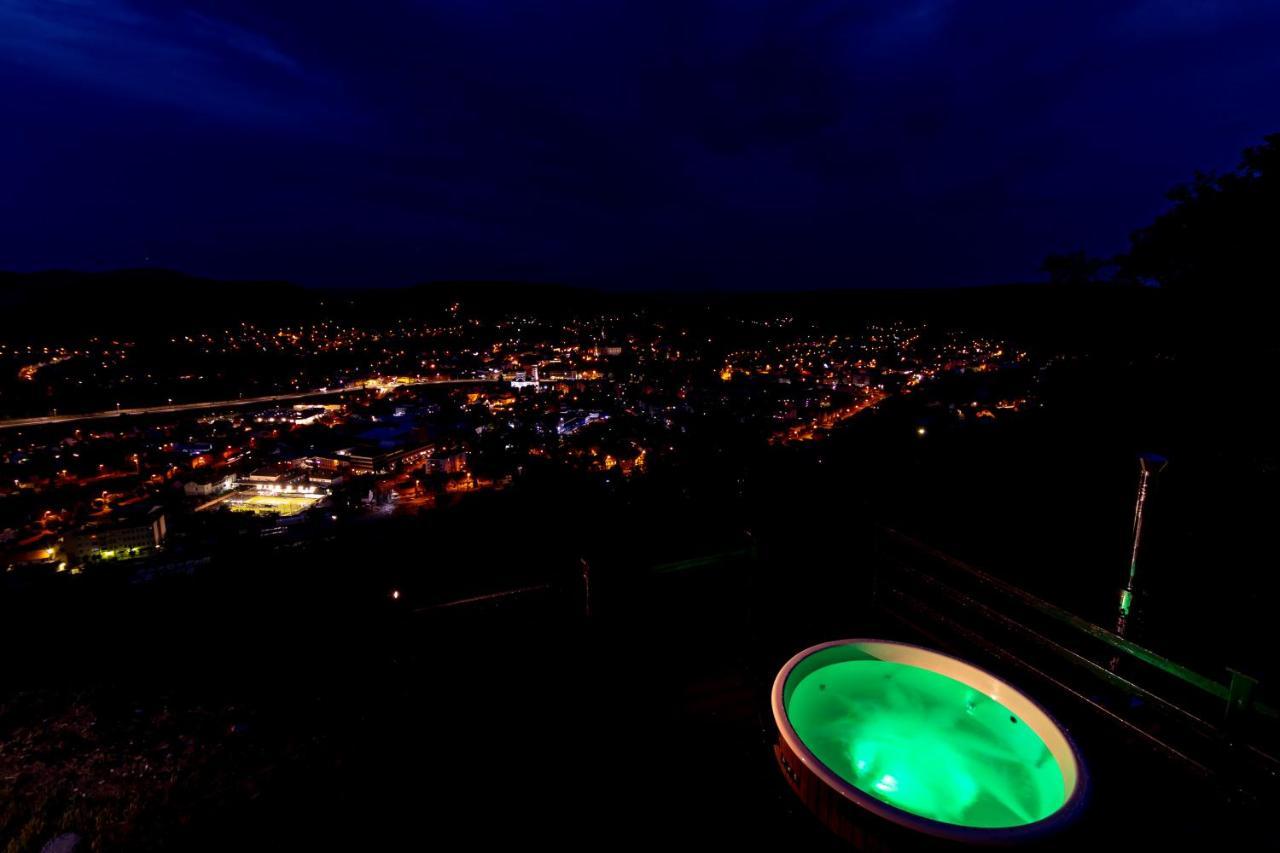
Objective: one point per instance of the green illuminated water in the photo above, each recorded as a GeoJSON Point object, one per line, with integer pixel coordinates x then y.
{"type": "Point", "coordinates": [926, 743]}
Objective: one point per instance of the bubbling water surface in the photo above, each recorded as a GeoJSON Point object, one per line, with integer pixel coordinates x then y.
{"type": "Point", "coordinates": [926, 743]}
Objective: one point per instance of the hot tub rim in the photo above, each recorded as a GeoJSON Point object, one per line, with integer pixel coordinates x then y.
{"type": "Point", "coordinates": [1051, 823]}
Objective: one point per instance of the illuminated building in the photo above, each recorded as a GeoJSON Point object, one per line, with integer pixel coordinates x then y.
{"type": "Point", "coordinates": [279, 477]}
{"type": "Point", "coordinates": [570, 424]}
{"type": "Point", "coordinates": [450, 462]}
{"type": "Point", "coordinates": [122, 539]}
{"type": "Point", "coordinates": [209, 485]}
{"type": "Point", "coordinates": [304, 414]}
{"type": "Point", "coordinates": [197, 448]}
{"type": "Point", "coordinates": [380, 459]}
{"type": "Point", "coordinates": [325, 477]}
{"type": "Point", "coordinates": [526, 379]}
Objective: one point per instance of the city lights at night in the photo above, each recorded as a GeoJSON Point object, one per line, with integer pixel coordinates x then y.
{"type": "Point", "coordinates": [432, 425]}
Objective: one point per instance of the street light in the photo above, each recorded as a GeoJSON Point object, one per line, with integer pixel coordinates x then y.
{"type": "Point", "coordinates": [1148, 464]}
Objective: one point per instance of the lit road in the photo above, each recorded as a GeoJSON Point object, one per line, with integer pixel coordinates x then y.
{"type": "Point", "coordinates": [170, 408]}
{"type": "Point", "coordinates": [809, 430]}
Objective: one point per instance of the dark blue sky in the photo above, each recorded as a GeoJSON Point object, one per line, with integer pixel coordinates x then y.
{"type": "Point", "coordinates": [742, 143]}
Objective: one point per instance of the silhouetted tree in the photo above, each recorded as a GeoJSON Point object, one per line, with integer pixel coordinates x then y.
{"type": "Point", "coordinates": [1074, 268]}
{"type": "Point", "coordinates": [1222, 232]}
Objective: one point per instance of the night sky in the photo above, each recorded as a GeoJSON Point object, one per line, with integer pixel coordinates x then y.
{"type": "Point", "coordinates": [733, 144]}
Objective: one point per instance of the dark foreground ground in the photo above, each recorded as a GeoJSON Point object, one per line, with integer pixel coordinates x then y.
{"type": "Point", "coordinates": [304, 710]}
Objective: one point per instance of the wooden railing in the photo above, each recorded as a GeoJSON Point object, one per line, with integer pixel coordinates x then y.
{"type": "Point", "coordinates": [1220, 727]}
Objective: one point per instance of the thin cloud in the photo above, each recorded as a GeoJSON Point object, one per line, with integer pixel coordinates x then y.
{"type": "Point", "coordinates": [189, 61]}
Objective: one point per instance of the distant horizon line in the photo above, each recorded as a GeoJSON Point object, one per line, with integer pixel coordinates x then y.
{"type": "Point", "coordinates": [517, 282]}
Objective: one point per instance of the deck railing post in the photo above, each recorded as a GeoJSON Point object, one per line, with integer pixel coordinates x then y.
{"type": "Point", "coordinates": [1239, 695]}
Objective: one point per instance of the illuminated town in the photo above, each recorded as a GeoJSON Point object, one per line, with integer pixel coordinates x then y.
{"type": "Point", "coordinates": [341, 423]}
{"type": "Point", "coordinates": [837, 427]}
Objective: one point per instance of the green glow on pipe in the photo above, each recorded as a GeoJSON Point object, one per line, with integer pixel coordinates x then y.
{"type": "Point", "coordinates": [926, 743]}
